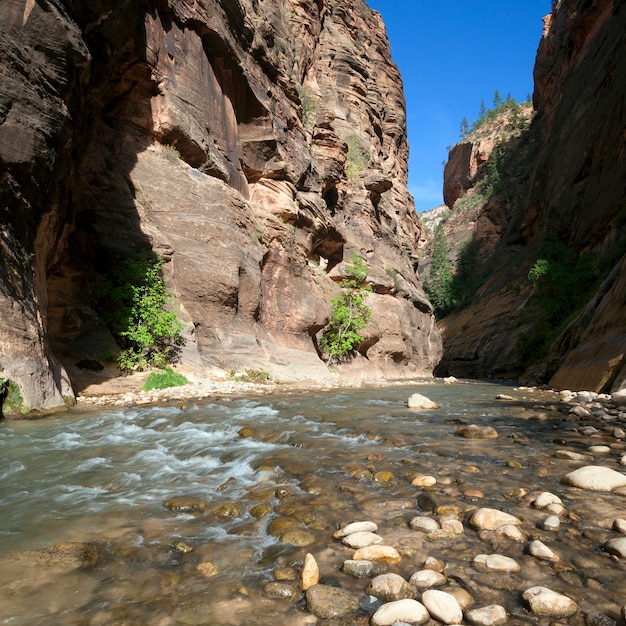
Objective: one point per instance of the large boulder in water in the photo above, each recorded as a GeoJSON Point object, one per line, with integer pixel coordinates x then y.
{"type": "Point", "coordinates": [418, 401]}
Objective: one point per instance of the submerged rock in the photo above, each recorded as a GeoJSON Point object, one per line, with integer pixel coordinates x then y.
{"type": "Point", "coordinates": [418, 401]}
{"type": "Point", "coordinates": [390, 587]}
{"type": "Point", "coordinates": [328, 602]}
{"type": "Point", "coordinates": [473, 431]}
{"type": "Point", "coordinates": [492, 519]}
{"type": "Point", "coordinates": [547, 603]}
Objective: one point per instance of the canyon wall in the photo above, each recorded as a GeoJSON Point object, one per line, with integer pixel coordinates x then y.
{"type": "Point", "coordinates": [561, 199]}
{"type": "Point", "coordinates": [255, 146]}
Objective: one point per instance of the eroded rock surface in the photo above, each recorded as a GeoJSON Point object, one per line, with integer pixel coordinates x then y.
{"type": "Point", "coordinates": [254, 146]}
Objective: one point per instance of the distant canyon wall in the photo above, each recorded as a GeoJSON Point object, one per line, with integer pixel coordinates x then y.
{"type": "Point", "coordinates": [562, 198]}
{"type": "Point", "coordinates": [254, 146]}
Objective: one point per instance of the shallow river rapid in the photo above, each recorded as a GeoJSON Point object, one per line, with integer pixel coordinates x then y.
{"type": "Point", "coordinates": [247, 470]}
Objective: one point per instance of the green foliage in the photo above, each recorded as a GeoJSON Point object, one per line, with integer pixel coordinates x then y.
{"type": "Point", "coordinates": [171, 153]}
{"type": "Point", "coordinates": [465, 128]}
{"type": "Point", "coordinates": [164, 379]}
{"type": "Point", "coordinates": [250, 376]}
{"type": "Point", "coordinates": [519, 121]}
{"type": "Point", "coordinates": [357, 157]}
{"type": "Point", "coordinates": [349, 313]}
{"type": "Point", "coordinates": [538, 271]}
{"type": "Point", "coordinates": [439, 285]}
{"type": "Point", "coordinates": [132, 302]}
{"type": "Point", "coordinates": [11, 400]}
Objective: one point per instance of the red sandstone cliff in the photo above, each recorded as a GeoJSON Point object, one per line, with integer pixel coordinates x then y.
{"type": "Point", "coordinates": [289, 120]}
{"type": "Point", "coordinates": [562, 199]}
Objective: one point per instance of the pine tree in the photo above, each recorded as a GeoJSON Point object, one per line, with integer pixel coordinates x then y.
{"type": "Point", "coordinates": [497, 100]}
{"type": "Point", "coordinates": [465, 128]}
{"type": "Point", "coordinates": [440, 281]}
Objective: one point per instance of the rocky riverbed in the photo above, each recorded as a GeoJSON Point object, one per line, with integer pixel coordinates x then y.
{"type": "Point", "coordinates": [501, 506]}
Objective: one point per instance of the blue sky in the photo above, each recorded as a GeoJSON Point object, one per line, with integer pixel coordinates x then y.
{"type": "Point", "coordinates": [452, 54]}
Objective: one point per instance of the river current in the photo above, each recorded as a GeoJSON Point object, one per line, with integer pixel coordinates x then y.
{"type": "Point", "coordinates": [183, 506]}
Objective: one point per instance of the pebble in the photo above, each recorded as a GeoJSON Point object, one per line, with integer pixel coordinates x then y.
{"type": "Point", "coordinates": [512, 532]}
{"type": "Point", "coordinates": [361, 539]}
{"type": "Point", "coordinates": [492, 615]}
{"type": "Point", "coordinates": [599, 449]}
{"type": "Point", "coordinates": [427, 578]}
{"type": "Point", "coordinates": [390, 587]}
{"type": "Point", "coordinates": [437, 565]}
{"type": "Point", "coordinates": [327, 602]}
{"type": "Point", "coordinates": [310, 574]}
{"type": "Point", "coordinates": [496, 563]}
{"type": "Point", "coordinates": [363, 568]}
{"type": "Point", "coordinates": [442, 606]}
{"type": "Point", "coordinates": [571, 456]}
{"type": "Point", "coordinates": [408, 611]}
{"type": "Point", "coordinates": [473, 431]}
{"type": "Point", "coordinates": [378, 552]}
{"type": "Point", "coordinates": [616, 547]}
{"type": "Point", "coordinates": [452, 525]}
{"type": "Point", "coordinates": [206, 569]}
{"type": "Point", "coordinates": [540, 550]}
{"type": "Point", "coordinates": [298, 537]}
{"type": "Point", "coordinates": [280, 590]}
{"type": "Point", "coordinates": [426, 524]}
{"type": "Point", "coordinates": [545, 499]}
{"type": "Point", "coordinates": [545, 602]}
{"type": "Point", "coordinates": [620, 525]}
{"type": "Point", "coordinates": [418, 401]}
{"type": "Point", "coordinates": [552, 522]}
{"type": "Point", "coordinates": [622, 461]}
{"type": "Point", "coordinates": [492, 519]}
{"type": "Point", "coordinates": [356, 527]}
{"type": "Point", "coordinates": [618, 433]}
{"type": "Point", "coordinates": [595, 478]}
{"type": "Point", "coordinates": [422, 480]}
{"type": "Point", "coordinates": [462, 597]}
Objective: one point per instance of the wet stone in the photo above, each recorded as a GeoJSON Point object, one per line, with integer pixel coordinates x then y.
{"type": "Point", "coordinates": [442, 606]}
{"type": "Point", "coordinates": [328, 602]}
{"type": "Point", "coordinates": [298, 537]}
{"type": "Point", "coordinates": [616, 547]}
{"type": "Point", "coordinates": [619, 525]}
{"type": "Point", "coordinates": [185, 504]}
{"type": "Point", "coordinates": [426, 578]}
{"type": "Point", "coordinates": [545, 499]}
{"type": "Point", "coordinates": [473, 431]}
{"type": "Point", "coordinates": [418, 401]}
{"type": "Point", "coordinates": [280, 525]}
{"type": "Point", "coordinates": [496, 562]}
{"type": "Point", "coordinates": [599, 619]}
{"type": "Point", "coordinates": [361, 539]}
{"type": "Point", "coordinates": [540, 550]}
{"type": "Point", "coordinates": [552, 522]}
{"type": "Point", "coordinates": [492, 519]}
{"type": "Point", "coordinates": [407, 611]}
{"type": "Point", "coordinates": [547, 603]}
{"type": "Point", "coordinates": [425, 524]}
{"type": "Point", "coordinates": [356, 527]}
{"type": "Point", "coordinates": [595, 478]}
{"type": "Point", "coordinates": [310, 573]}
{"type": "Point", "coordinates": [492, 615]}
{"type": "Point", "coordinates": [363, 568]}
{"type": "Point", "coordinates": [259, 511]}
{"type": "Point", "coordinates": [377, 553]}
{"type": "Point", "coordinates": [280, 590]}
{"type": "Point", "coordinates": [390, 587]}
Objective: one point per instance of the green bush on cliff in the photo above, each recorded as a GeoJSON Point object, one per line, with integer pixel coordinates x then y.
{"type": "Point", "coordinates": [132, 301]}
{"type": "Point", "coordinates": [349, 313]}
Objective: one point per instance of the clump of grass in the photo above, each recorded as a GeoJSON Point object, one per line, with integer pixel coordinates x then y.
{"type": "Point", "coordinates": [11, 398]}
{"type": "Point", "coordinates": [250, 376]}
{"type": "Point", "coordinates": [164, 379]}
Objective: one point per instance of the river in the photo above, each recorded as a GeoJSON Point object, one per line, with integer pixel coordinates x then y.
{"type": "Point", "coordinates": [249, 469]}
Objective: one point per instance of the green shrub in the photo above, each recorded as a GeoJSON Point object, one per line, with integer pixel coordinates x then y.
{"type": "Point", "coordinates": [132, 302]}
{"type": "Point", "coordinates": [349, 314]}
{"type": "Point", "coordinates": [250, 376]}
{"type": "Point", "coordinates": [11, 400]}
{"type": "Point", "coordinates": [171, 153]}
{"type": "Point", "coordinates": [357, 157]}
{"type": "Point", "coordinates": [538, 271]}
{"type": "Point", "coordinates": [164, 379]}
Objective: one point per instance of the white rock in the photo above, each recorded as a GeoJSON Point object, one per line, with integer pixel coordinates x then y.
{"type": "Point", "coordinates": [421, 480]}
{"type": "Point", "coordinates": [556, 509]}
{"type": "Point", "coordinates": [377, 553]}
{"type": "Point", "coordinates": [361, 539]}
{"type": "Point", "coordinates": [310, 573]}
{"type": "Point", "coordinates": [390, 587]}
{"type": "Point", "coordinates": [418, 401]}
{"type": "Point", "coordinates": [426, 524]}
{"type": "Point", "coordinates": [408, 611]}
{"type": "Point", "coordinates": [496, 563]}
{"type": "Point", "coordinates": [492, 615]}
{"type": "Point", "coordinates": [453, 526]}
{"type": "Point", "coordinates": [442, 606]}
{"type": "Point", "coordinates": [546, 498]}
{"type": "Point", "coordinates": [552, 522]}
{"type": "Point", "coordinates": [571, 456]}
{"type": "Point", "coordinates": [579, 411]}
{"type": "Point", "coordinates": [426, 578]}
{"type": "Point", "coordinates": [355, 527]}
{"type": "Point", "coordinates": [512, 532]}
{"type": "Point", "coordinates": [599, 449]}
{"type": "Point", "coordinates": [618, 433]}
{"type": "Point", "coordinates": [619, 397]}
{"type": "Point", "coordinates": [492, 519]}
{"type": "Point", "coordinates": [622, 461]}
{"type": "Point", "coordinates": [616, 546]}
{"type": "Point", "coordinates": [595, 478]}
{"type": "Point", "coordinates": [541, 551]}
{"type": "Point", "coordinates": [545, 602]}
{"type": "Point", "coordinates": [620, 525]}
{"type": "Point", "coordinates": [450, 380]}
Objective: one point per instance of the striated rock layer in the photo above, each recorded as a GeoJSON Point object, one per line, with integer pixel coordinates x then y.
{"type": "Point", "coordinates": [563, 192]}
{"type": "Point", "coordinates": [253, 145]}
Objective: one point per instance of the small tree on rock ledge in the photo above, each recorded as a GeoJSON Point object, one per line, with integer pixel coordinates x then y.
{"type": "Point", "coordinates": [349, 313]}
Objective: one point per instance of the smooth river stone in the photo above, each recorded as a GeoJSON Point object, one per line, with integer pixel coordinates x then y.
{"type": "Point", "coordinates": [546, 499]}
{"type": "Point", "coordinates": [540, 550]}
{"type": "Point", "coordinates": [418, 401]}
{"type": "Point", "coordinates": [474, 431]}
{"type": "Point", "coordinates": [377, 553]}
{"type": "Point", "coordinates": [422, 480]}
{"type": "Point", "coordinates": [616, 546]}
{"type": "Point", "coordinates": [497, 563]}
{"type": "Point", "coordinates": [599, 449]}
{"type": "Point", "coordinates": [492, 519]}
{"type": "Point", "coordinates": [298, 537]}
{"type": "Point", "coordinates": [361, 539]}
{"type": "Point", "coordinates": [492, 615]}
{"type": "Point", "coordinates": [595, 478]}
{"type": "Point", "coordinates": [443, 606]}
{"type": "Point", "coordinates": [547, 603]}
{"type": "Point", "coordinates": [310, 574]}
{"type": "Point", "coordinates": [571, 456]}
{"type": "Point", "coordinates": [620, 525]}
{"type": "Point", "coordinates": [356, 527]}
{"type": "Point", "coordinates": [363, 568]}
{"type": "Point", "coordinates": [425, 524]}
{"type": "Point", "coordinates": [427, 578]}
{"type": "Point", "coordinates": [390, 587]}
{"type": "Point", "coordinates": [407, 611]}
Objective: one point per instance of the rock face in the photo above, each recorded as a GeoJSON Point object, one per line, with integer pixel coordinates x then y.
{"type": "Point", "coordinates": [561, 198]}
{"type": "Point", "coordinates": [254, 146]}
